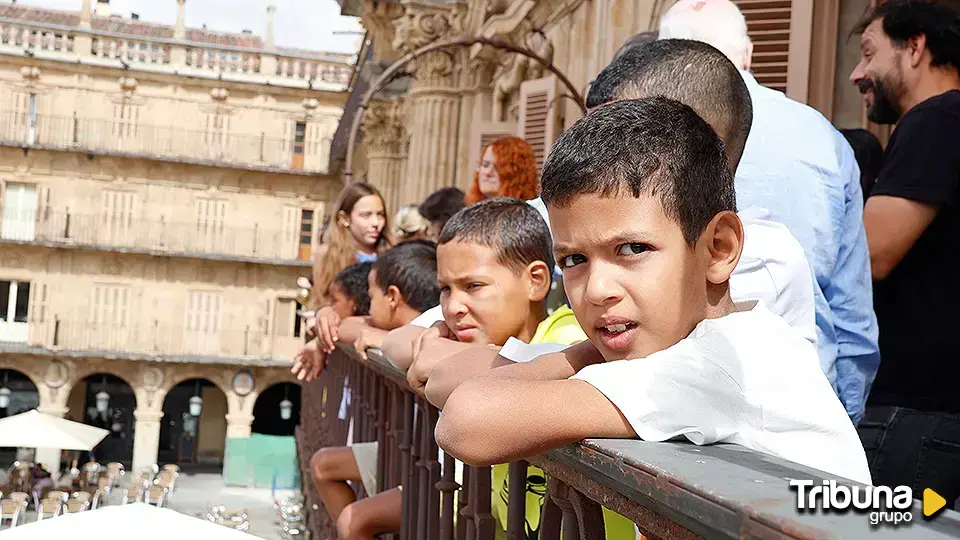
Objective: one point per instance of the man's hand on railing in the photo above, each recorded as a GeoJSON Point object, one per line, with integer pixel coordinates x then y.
{"type": "Point", "coordinates": [327, 328]}
{"type": "Point", "coordinates": [434, 345]}
{"type": "Point", "coordinates": [309, 361]}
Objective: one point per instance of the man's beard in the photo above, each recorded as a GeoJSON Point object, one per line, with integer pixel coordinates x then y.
{"type": "Point", "coordinates": [886, 101]}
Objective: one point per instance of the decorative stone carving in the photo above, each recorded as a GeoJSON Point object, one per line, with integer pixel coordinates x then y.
{"type": "Point", "coordinates": [423, 23]}
{"type": "Point", "coordinates": [56, 374]}
{"type": "Point", "coordinates": [128, 85]}
{"type": "Point", "coordinates": [152, 378]}
{"type": "Point", "coordinates": [243, 383]}
{"type": "Point", "coordinates": [30, 75]}
{"type": "Point", "coordinates": [383, 127]}
{"type": "Point", "coordinates": [378, 19]}
{"type": "Point", "coordinates": [219, 95]}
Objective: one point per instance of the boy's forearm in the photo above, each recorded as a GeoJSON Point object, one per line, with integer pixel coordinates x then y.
{"type": "Point", "coordinates": [487, 420]}
{"type": "Point", "coordinates": [432, 351]}
{"type": "Point", "coordinates": [351, 328]}
{"type": "Point", "coordinates": [554, 366]}
{"type": "Point", "coordinates": [398, 345]}
{"type": "Point", "coordinates": [451, 372]}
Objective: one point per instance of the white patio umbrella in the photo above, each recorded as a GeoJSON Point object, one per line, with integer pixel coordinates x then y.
{"type": "Point", "coordinates": [145, 522]}
{"type": "Point", "coordinates": [33, 429]}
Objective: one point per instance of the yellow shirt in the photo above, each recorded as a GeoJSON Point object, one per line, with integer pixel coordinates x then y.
{"type": "Point", "coordinates": [559, 327]}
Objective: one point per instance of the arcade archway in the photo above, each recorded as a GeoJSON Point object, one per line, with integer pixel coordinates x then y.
{"type": "Point", "coordinates": [277, 410]}
{"type": "Point", "coordinates": [18, 394]}
{"type": "Point", "coordinates": [105, 401]}
{"type": "Point", "coordinates": [193, 431]}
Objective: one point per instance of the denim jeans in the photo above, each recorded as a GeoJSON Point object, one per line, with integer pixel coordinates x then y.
{"type": "Point", "coordinates": [913, 448]}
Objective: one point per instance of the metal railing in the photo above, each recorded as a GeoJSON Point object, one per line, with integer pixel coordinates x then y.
{"type": "Point", "coordinates": [670, 490]}
{"type": "Point", "coordinates": [155, 235]}
{"type": "Point", "coordinates": [276, 66]}
{"type": "Point", "coordinates": [111, 136]}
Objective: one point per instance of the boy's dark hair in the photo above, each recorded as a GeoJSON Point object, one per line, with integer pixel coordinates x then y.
{"type": "Point", "coordinates": [411, 267]}
{"type": "Point", "coordinates": [938, 20]}
{"type": "Point", "coordinates": [869, 155]}
{"type": "Point", "coordinates": [510, 226]}
{"type": "Point", "coordinates": [637, 40]}
{"type": "Point", "coordinates": [691, 72]}
{"type": "Point", "coordinates": [656, 146]}
{"type": "Point", "coordinates": [442, 204]}
{"type": "Point", "coordinates": [352, 280]}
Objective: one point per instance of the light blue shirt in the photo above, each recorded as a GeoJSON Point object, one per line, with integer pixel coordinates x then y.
{"type": "Point", "coordinates": [800, 168]}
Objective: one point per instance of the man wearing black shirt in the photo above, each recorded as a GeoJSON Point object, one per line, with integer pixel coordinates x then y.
{"type": "Point", "coordinates": [910, 52]}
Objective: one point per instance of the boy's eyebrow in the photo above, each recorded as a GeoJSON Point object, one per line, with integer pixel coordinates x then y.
{"type": "Point", "coordinates": [616, 238]}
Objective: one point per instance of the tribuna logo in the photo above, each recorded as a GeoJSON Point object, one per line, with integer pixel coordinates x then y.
{"type": "Point", "coordinates": [885, 504]}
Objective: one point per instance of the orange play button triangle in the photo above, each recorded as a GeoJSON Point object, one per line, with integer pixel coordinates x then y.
{"type": "Point", "coordinates": [932, 502]}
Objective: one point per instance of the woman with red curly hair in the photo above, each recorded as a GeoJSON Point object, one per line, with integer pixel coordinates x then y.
{"type": "Point", "coordinates": [507, 169]}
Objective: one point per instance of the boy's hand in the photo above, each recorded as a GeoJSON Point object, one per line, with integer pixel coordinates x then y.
{"type": "Point", "coordinates": [309, 362]}
{"type": "Point", "coordinates": [327, 329]}
{"type": "Point", "coordinates": [438, 330]}
{"type": "Point", "coordinates": [370, 338]}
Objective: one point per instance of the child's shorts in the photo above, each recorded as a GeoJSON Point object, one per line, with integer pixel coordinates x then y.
{"type": "Point", "coordinates": [366, 455]}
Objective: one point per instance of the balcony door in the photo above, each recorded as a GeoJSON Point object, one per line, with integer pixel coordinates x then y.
{"type": "Point", "coordinates": [19, 212]}
{"type": "Point", "coordinates": [116, 218]}
{"type": "Point", "coordinates": [211, 214]}
{"type": "Point", "coordinates": [299, 144]}
{"type": "Point", "coordinates": [201, 331]}
{"type": "Point", "coordinates": [14, 303]}
{"type": "Point", "coordinates": [109, 327]}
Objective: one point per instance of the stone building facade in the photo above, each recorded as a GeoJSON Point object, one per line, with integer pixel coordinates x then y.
{"type": "Point", "coordinates": [161, 188]}
{"type": "Point", "coordinates": [427, 131]}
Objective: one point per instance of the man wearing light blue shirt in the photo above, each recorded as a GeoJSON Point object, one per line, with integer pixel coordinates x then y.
{"type": "Point", "coordinates": [802, 170]}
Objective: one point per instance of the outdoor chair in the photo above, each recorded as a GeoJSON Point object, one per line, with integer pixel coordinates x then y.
{"type": "Point", "coordinates": [61, 496]}
{"type": "Point", "coordinates": [82, 496]}
{"type": "Point", "coordinates": [74, 506]}
{"type": "Point", "coordinates": [132, 495]}
{"type": "Point", "coordinates": [115, 472]}
{"type": "Point", "coordinates": [105, 484]}
{"type": "Point", "coordinates": [49, 508]}
{"type": "Point", "coordinates": [12, 510]}
{"type": "Point", "coordinates": [172, 468]}
{"type": "Point", "coordinates": [98, 495]}
{"type": "Point", "coordinates": [156, 496]}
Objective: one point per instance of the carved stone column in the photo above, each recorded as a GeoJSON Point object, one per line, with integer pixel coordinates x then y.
{"type": "Point", "coordinates": [384, 137]}
{"type": "Point", "coordinates": [434, 117]}
{"type": "Point", "coordinates": [475, 109]}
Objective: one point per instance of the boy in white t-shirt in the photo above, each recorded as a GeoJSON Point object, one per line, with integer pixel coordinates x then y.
{"type": "Point", "coordinates": [642, 209]}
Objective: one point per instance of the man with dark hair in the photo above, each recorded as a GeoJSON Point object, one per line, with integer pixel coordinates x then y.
{"type": "Point", "coordinates": [908, 73]}
{"type": "Point", "coordinates": [797, 166]}
{"type": "Point", "coordinates": [439, 207]}
{"type": "Point", "coordinates": [691, 72]}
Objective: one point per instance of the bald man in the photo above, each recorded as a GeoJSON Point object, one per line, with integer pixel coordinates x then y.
{"type": "Point", "coordinates": [800, 168]}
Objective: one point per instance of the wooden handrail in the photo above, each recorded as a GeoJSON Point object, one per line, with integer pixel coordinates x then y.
{"type": "Point", "coordinates": [670, 490]}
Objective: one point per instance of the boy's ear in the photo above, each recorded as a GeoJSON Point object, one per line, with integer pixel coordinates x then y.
{"type": "Point", "coordinates": [394, 297]}
{"type": "Point", "coordinates": [724, 242]}
{"type": "Point", "coordinates": [538, 279]}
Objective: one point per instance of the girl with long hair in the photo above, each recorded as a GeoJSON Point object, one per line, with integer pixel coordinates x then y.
{"type": "Point", "coordinates": [357, 232]}
{"type": "Point", "coordinates": [507, 169]}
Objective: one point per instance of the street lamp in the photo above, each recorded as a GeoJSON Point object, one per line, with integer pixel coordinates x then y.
{"type": "Point", "coordinates": [196, 402]}
{"type": "Point", "coordinates": [4, 393]}
{"type": "Point", "coordinates": [103, 398]}
{"type": "Point", "coordinates": [286, 406]}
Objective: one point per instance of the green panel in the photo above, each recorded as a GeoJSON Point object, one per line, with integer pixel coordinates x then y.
{"type": "Point", "coordinates": [264, 461]}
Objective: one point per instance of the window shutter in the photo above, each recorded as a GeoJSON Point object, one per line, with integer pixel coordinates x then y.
{"type": "Point", "coordinates": [781, 35]}
{"type": "Point", "coordinates": [38, 302]}
{"type": "Point", "coordinates": [483, 134]}
{"type": "Point", "coordinates": [539, 121]}
{"type": "Point", "coordinates": [290, 232]}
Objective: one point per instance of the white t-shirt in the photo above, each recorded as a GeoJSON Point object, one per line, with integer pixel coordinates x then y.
{"type": "Point", "coordinates": [746, 379]}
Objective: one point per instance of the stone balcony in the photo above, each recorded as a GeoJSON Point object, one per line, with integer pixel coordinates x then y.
{"type": "Point", "coordinates": [129, 233]}
{"type": "Point", "coordinates": [151, 340]}
{"type": "Point", "coordinates": [87, 46]}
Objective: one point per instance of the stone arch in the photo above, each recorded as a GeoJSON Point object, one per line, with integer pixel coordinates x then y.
{"type": "Point", "coordinates": [266, 409]}
{"type": "Point", "coordinates": [30, 370]}
{"type": "Point", "coordinates": [188, 439]}
{"type": "Point", "coordinates": [81, 371]}
{"type": "Point", "coordinates": [117, 418]}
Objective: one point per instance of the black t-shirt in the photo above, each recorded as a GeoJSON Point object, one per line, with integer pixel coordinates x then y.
{"type": "Point", "coordinates": [918, 304]}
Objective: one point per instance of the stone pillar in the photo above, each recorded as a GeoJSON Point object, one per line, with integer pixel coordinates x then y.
{"type": "Point", "coordinates": [50, 457]}
{"type": "Point", "coordinates": [238, 426]}
{"type": "Point", "coordinates": [475, 108]}
{"type": "Point", "coordinates": [434, 97]}
{"type": "Point", "coordinates": [146, 438]}
{"type": "Point", "coordinates": [384, 138]}
{"type": "Point", "coordinates": [268, 41]}
{"type": "Point", "coordinates": [180, 30]}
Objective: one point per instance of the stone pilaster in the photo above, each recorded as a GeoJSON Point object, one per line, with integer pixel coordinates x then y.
{"type": "Point", "coordinates": [384, 137]}
{"type": "Point", "coordinates": [475, 109]}
{"type": "Point", "coordinates": [434, 114]}
{"type": "Point", "coordinates": [239, 426]}
{"type": "Point", "coordinates": [146, 438]}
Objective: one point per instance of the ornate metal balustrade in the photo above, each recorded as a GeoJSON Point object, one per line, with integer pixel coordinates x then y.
{"type": "Point", "coordinates": [670, 490]}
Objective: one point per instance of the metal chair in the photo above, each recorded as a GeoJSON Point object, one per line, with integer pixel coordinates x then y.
{"type": "Point", "coordinates": [12, 510]}
{"type": "Point", "coordinates": [156, 496]}
{"type": "Point", "coordinates": [132, 495]}
{"type": "Point", "coordinates": [115, 472]}
{"type": "Point", "coordinates": [75, 506]}
{"type": "Point", "coordinates": [82, 496]}
{"type": "Point", "coordinates": [49, 508]}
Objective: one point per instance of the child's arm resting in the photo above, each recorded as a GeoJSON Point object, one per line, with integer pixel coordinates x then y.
{"type": "Point", "coordinates": [452, 371]}
{"type": "Point", "coordinates": [398, 345]}
{"type": "Point", "coordinates": [491, 420]}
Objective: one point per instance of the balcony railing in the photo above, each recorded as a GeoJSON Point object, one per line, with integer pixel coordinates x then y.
{"type": "Point", "coordinates": [120, 137]}
{"type": "Point", "coordinates": [152, 339]}
{"type": "Point", "coordinates": [273, 66]}
{"type": "Point", "coordinates": [131, 232]}
{"type": "Point", "coordinates": [670, 490]}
